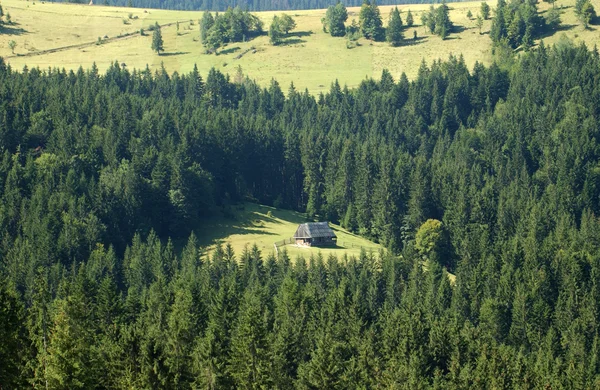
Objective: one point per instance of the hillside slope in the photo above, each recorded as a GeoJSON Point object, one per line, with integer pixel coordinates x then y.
{"type": "Point", "coordinates": [65, 35]}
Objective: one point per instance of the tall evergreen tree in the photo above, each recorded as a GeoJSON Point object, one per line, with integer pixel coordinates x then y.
{"type": "Point", "coordinates": [157, 40]}
{"type": "Point", "coordinates": [394, 29]}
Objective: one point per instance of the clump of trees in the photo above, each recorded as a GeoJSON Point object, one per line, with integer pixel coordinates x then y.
{"type": "Point", "coordinates": [234, 25]}
{"type": "Point", "coordinates": [369, 26]}
{"type": "Point", "coordinates": [280, 27]}
{"type": "Point", "coordinates": [438, 20]}
{"type": "Point", "coordinates": [518, 23]}
{"type": "Point", "coordinates": [370, 22]}
{"type": "Point", "coordinates": [335, 19]}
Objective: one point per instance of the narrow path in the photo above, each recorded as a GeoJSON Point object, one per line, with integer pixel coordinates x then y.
{"type": "Point", "coordinates": [84, 45]}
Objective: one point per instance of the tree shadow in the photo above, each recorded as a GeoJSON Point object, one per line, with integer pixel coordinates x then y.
{"type": "Point", "coordinates": [230, 50]}
{"type": "Point", "coordinates": [413, 41]}
{"type": "Point", "coordinates": [12, 30]}
{"type": "Point", "coordinates": [291, 41]}
{"type": "Point", "coordinates": [245, 219]}
{"type": "Point", "coordinates": [550, 32]}
{"type": "Point", "coordinates": [175, 53]}
{"type": "Point", "coordinates": [300, 34]}
{"type": "Point", "coordinates": [457, 29]}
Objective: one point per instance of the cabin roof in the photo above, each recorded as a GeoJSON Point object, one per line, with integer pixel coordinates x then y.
{"type": "Point", "coordinates": [313, 230]}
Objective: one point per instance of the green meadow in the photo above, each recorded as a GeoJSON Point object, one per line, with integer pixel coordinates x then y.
{"type": "Point", "coordinates": [248, 224]}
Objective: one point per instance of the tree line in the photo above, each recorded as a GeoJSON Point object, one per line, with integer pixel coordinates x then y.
{"type": "Point", "coordinates": [492, 173]}
{"type": "Point", "coordinates": [250, 5]}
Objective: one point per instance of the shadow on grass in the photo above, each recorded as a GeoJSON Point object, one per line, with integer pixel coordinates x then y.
{"type": "Point", "coordinates": [300, 34]}
{"type": "Point", "coordinates": [413, 41]}
{"type": "Point", "coordinates": [12, 30]}
{"type": "Point", "coordinates": [548, 32]}
{"type": "Point", "coordinates": [175, 53]}
{"type": "Point", "coordinates": [457, 29]}
{"type": "Point", "coordinates": [245, 219]}
{"type": "Point", "coordinates": [291, 41]}
{"type": "Point", "coordinates": [230, 50]}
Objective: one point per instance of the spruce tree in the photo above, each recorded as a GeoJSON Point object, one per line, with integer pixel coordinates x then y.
{"type": "Point", "coordinates": [409, 19]}
{"type": "Point", "coordinates": [394, 29]}
{"type": "Point", "coordinates": [157, 40]}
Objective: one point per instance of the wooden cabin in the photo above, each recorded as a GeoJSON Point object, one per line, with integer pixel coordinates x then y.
{"type": "Point", "coordinates": [315, 234]}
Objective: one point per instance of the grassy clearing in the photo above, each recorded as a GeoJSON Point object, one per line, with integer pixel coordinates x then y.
{"type": "Point", "coordinates": [310, 58]}
{"type": "Point", "coordinates": [250, 224]}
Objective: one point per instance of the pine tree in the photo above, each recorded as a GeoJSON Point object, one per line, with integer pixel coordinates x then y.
{"type": "Point", "coordinates": [205, 25]}
{"type": "Point", "coordinates": [157, 40]}
{"type": "Point", "coordinates": [249, 363]}
{"type": "Point", "coordinates": [394, 29]}
{"type": "Point", "coordinates": [409, 19]}
{"type": "Point", "coordinates": [485, 11]}
{"type": "Point", "coordinates": [12, 338]}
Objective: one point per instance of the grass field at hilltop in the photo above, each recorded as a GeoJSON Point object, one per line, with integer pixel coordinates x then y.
{"type": "Point", "coordinates": [311, 59]}
{"type": "Point", "coordinates": [250, 224]}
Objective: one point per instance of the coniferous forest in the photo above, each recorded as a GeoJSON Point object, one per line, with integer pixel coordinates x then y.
{"type": "Point", "coordinates": [104, 177]}
{"type": "Point", "coordinates": [222, 5]}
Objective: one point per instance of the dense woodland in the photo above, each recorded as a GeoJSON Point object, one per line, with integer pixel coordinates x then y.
{"type": "Point", "coordinates": [103, 178]}
{"type": "Point", "coordinates": [251, 5]}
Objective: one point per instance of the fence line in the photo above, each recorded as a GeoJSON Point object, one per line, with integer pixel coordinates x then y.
{"type": "Point", "coordinates": [343, 244]}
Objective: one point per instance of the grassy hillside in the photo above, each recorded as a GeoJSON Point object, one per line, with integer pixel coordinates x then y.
{"type": "Point", "coordinates": [250, 223]}
{"type": "Point", "coordinates": [65, 35]}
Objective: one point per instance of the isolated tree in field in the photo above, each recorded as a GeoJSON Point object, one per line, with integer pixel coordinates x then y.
{"type": "Point", "coordinates": [370, 21]}
{"type": "Point", "coordinates": [394, 29]}
{"type": "Point", "coordinates": [443, 25]}
{"type": "Point", "coordinates": [485, 11]}
{"type": "Point", "coordinates": [275, 31]}
{"type": "Point", "coordinates": [286, 23]}
{"type": "Point", "coordinates": [479, 23]}
{"type": "Point", "coordinates": [409, 19]}
{"type": "Point", "coordinates": [280, 27]}
{"type": "Point", "coordinates": [334, 20]}
{"type": "Point", "coordinates": [157, 40]}
{"type": "Point", "coordinates": [12, 44]}
{"type": "Point", "coordinates": [469, 14]}
{"type": "Point", "coordinates": [205, 25]}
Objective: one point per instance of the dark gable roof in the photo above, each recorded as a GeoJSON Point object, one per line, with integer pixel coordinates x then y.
{"type": "Point", "coordinates": [313, 230]}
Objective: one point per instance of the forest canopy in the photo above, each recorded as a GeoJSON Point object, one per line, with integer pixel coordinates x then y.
{"type": "Point", "coordinates": [491, 173]}
{"type": "Point", "coordinates": [251, 5]}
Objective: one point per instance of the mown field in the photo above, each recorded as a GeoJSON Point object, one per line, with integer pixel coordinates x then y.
{"type": "Point", "coordinates": [248, 224]}
{"type": "Point", "coordinates": [65, 35]}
